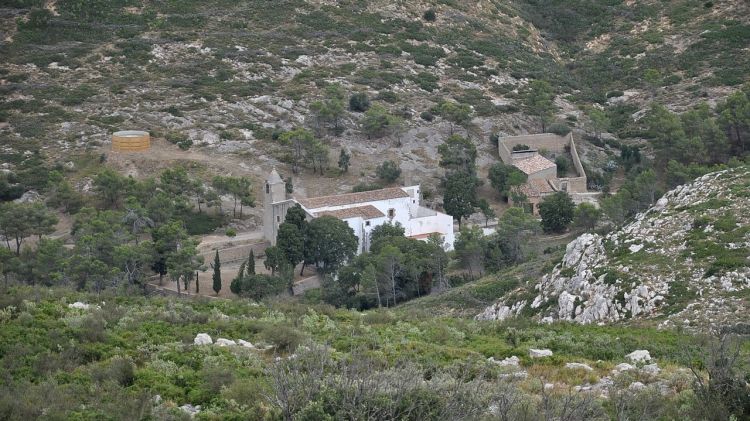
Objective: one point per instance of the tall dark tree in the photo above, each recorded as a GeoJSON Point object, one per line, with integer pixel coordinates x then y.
{"type": "Point", "coordinates": [382, 234]}
{"type": "Point", "coordinates": [291, 242]}
{"type": "Point", "coordinates": [458, 154]}
{"type": "Point", "coordinates": [329, 243]}
{"type": "Point", "coordinates": [734, 114]}
{"type": "Point", "coordinates": [460, 196]}
{"type": "Point", "coordinates": [504, 178]}
{"type": "Point", "coordinates": [557, 212]}
{"type": "Point", "coordinates": [217, 273]}
{"type": "Point", "coordinates": [297, 217]}
{"type": "Point", "coordinates": [110, 187]}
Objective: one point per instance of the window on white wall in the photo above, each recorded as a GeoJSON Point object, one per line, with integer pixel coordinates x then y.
{"type": "Point", "coordinates": [367, 223]}
{"type": "Point", "coordinates": [391, 213]}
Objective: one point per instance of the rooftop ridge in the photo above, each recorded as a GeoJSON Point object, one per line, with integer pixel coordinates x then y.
{"type": "Point", "coordinates": [353, 198]}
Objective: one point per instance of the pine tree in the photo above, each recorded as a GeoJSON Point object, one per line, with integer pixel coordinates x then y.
{"type": "Point", "coordinates": [251, 263]}
{"type": "Point", "coordinates": [217, 273]}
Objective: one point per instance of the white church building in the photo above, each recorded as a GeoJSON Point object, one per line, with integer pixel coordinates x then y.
{"type": "Point", "coordinates": [362, 211]}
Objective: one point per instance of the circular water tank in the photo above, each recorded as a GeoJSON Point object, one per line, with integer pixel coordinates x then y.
{"type": "Point", "coordinates": [131, 141]}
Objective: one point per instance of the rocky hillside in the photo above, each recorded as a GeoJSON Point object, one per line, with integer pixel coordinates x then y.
{"type": "Point", "coordinates": [685, 261]}
{"type": "Point", "coordinates": [229, 74]}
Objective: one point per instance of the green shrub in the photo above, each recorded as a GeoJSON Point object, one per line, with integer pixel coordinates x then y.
{"type": "Point", "coordinates": [257, 286]}
{"type": "Point", "coordinates": [560, 129]}
{"type": "Point", "coordinates": [366, 187]}
{"type": "Point", "coordinates": [359, 102]}
{"type": "Point", "coordinates": [78, 95]}
{"type": "Point", "coordinates": [563, 166]}
{"type": "Point", "coordinates": [284, 338]}
{"type": "Point", "coordinates": [426, 81]}
{"type": "Point", "coordinates": [230, 232]}
{"type": "Point", "coordinates": [180, 139]}
{"type": "Point", "coordinates": [389, 171]}
{"type": "Point", "coordinates": [426, 116]}
{"type": "Point", "coordinates": [387, 96]}
{"type": "Point", "coordinates": [429, 15]}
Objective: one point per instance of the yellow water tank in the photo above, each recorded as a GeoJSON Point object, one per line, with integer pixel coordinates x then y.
{"type": "Point", "coordinates": [131, 141]}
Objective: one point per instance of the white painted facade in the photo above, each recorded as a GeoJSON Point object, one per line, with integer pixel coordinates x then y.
{"type": "Point", "coordinates": [418, 222]}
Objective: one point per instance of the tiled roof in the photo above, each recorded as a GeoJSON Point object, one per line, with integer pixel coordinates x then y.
{"type": "Point", "coordinates": [365, 212]}
{"type": "Point", "coordinates": [534, 164]}
{"type": "Point", "coordinates": [536, 188]}
{"type": "Point", "coordinates": [425, 235]}
{"type": "Point", "coordinates": [353, 198]}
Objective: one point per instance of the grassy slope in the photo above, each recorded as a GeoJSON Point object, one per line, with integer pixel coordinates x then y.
{"type": "Point", "coordinates": [43, 342]}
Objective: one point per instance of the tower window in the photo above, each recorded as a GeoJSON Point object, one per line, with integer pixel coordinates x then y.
{"type": "Point", "coordinates": [268, 188]}
{"type": "Point", "coordinates": [391, 213]}
{"type": "Point", "coordinates": [278, 218]}
{"type": "Point", "coordinates": [367, 223]}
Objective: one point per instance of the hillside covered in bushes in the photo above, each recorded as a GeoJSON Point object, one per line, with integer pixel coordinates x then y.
{"type": "Point", "coordinates": [84, 356]}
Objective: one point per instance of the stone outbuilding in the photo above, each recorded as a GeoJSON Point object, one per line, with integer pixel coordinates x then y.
{"type": "Point", "coordinates": [541, 171]}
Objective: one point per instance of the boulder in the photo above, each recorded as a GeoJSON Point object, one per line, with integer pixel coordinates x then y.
{"type": "Point", "coordinates": [622, 367]}
{"type": "Point", "coordinates": [191, 410]}
{"type": "Point", "coordinates": [246, 344]}
{"type": "Point", "coordinates": [225, 342]}
{"type": "Point", "coordinates": [639, 356]}
{"type": "Point", "coordinates": [79, 305]}
{"type": "Point", "coordinates": [576, 366]}
{"type": "Point", "coordinates": [510, 361]}
{"type": "Point", "coordinates": [651, 369]}
{"type": "Point", "coordinates": [539, 353]}
{"type": "Point", "coordinates": [202, 339]}
{"type": "Point", "coordinates": [29, 197]}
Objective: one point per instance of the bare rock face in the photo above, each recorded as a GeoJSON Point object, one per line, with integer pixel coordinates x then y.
{"type": "Point", "coordinates": [29, 197]}
{"type": "Point", "coordinates": [499, 311]}
{"type": "Point", "coordinates": [670, 260]}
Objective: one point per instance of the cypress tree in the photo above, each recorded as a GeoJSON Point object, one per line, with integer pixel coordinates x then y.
{"type": "Point", "coordinates": [251, 263]}
{"type": "Point", "coordinates": [217, 274]}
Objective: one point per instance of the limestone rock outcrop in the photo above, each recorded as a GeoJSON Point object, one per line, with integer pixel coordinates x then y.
{"type": "Point", "coordinates": [684, 258]}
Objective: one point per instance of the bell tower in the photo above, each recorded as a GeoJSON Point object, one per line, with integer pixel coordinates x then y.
{"type": "Point", "coordinates": [274, 191]}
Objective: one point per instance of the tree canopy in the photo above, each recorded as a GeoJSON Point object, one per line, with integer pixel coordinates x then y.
{"type": "Point", "coordinates": [557, 212]}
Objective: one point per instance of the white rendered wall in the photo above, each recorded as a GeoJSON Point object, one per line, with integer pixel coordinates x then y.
{"type": "Point", "coordinates": [404, 213]}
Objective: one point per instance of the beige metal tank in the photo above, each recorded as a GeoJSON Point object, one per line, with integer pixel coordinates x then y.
{"type": "Point", "coordinates": [131, 141]}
